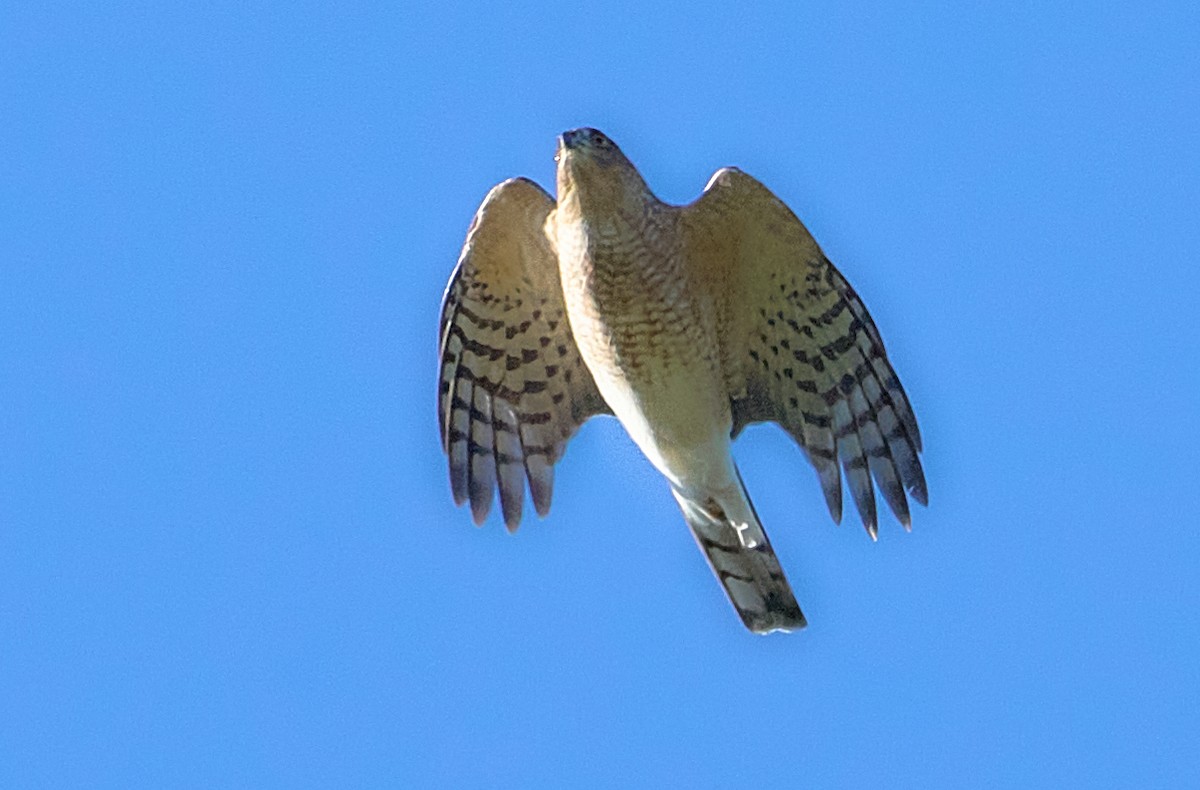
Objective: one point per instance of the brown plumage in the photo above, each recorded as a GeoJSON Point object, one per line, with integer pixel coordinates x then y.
{"type": "Point", "coordinates": [686, 322]}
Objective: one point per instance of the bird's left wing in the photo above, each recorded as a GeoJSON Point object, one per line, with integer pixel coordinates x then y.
{"type": "Point", "coordinates": [799, 347]}
{"type": "Point", "coordinates": [513, 388]}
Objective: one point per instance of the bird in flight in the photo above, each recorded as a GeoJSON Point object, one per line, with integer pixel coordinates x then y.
{"type": "Point", "coordinates": [687, 323]}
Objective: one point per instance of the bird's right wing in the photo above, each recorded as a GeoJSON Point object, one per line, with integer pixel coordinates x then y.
{"type": "Point", "coordinates": [513, 388]}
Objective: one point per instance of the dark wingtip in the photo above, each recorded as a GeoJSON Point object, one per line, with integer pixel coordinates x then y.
{"type": "Point", "coordinates": [541, 489]}
{"type": "Point", "coordinates": [833, 500]}
{"type": "Point", "coordinates": [458, 489]}
{"type": "Point", "coordinates": [511, 507]}
{"type": "Point", "coordinates": [918, 490]}
{"type": "Point", "coordinates": [481, 504]}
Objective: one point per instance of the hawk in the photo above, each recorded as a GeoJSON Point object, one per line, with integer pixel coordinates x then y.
{"type": "Point", "coordinates": [687, 323]}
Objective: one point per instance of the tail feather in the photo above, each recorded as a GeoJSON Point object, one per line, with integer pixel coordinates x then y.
{"type": "Point", "coordinates": [729, 533]}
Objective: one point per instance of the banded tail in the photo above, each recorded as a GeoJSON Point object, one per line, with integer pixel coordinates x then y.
{"type": "Point", "coordinates": [733, 540]}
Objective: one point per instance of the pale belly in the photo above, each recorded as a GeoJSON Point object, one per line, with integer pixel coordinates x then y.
{"type": "Point", "coordinates": [654, 358]}
{"type": "Point", "coordinates": [686, 437]}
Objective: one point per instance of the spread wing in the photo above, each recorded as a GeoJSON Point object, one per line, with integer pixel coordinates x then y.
{"type": "Point", "coordinates": [513, 388]}
{"type": "Point", "coordinates": [800, 348]}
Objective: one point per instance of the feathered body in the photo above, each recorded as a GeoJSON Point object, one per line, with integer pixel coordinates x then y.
{"type": "Point", "coordinates": [687, 323]}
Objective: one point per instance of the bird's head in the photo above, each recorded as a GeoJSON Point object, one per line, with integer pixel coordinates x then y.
{"type": "Point", "coordinates": [591, 164]}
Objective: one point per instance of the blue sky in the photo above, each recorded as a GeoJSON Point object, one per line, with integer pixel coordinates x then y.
{"type": "Point", "coordinates": [228, 553]}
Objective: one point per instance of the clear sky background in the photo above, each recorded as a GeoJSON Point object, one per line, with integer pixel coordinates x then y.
{"type": "Point", "coordinates": [228, 553]}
